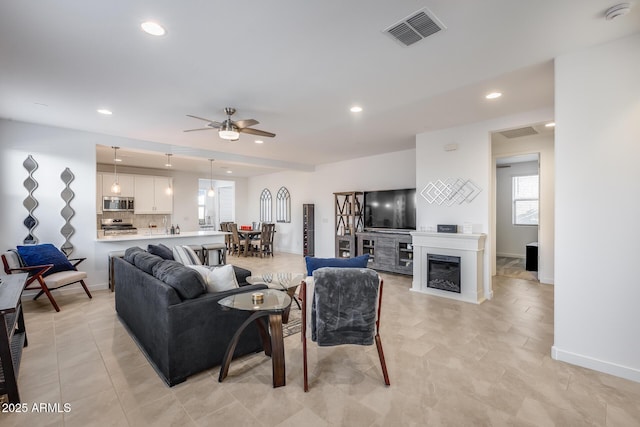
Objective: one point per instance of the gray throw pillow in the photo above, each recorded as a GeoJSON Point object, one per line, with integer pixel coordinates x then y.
{"type": "Point", "coordinates": [146, 261]}
{"type": "Point", "coordinates": [187, 282]}
{"type": "Point", "coordinates": [131, 252]}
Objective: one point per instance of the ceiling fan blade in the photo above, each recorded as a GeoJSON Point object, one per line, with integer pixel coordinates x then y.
{"type": "Point", "coordinates": [200, 118]}
{"type": "Point", "coordinates": [246, 123]}
{"type": "Point", "coordinates": [193, 130]}
{"type": "Point", "coordinates": [256, 132]}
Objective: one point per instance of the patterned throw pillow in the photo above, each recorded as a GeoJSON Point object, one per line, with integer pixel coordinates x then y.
{"type": "Point", "coordinates": [185, 255]}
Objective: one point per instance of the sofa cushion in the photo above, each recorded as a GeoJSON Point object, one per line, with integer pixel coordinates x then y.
{"type": "Point", "coordinates": [161, 250]}
{"type": "Point", "coordinates": [187, 282]}
{"type": "Point", "coordinates": [315, 263]}
{"type": "Point", "coordinates": [217, 278]}
{"type": "Point", "coordinates": [186, 256]}
{"type": "Point", "coordinates": [146, 261]}
{"type": "Point", "coordinates": [131, 252]}
{"type": "Point", "coordinates": [43, 254]}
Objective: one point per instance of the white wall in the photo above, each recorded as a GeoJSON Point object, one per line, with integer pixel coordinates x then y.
{"type": "Point", "coordinates": [597, 292]}
{"type": "Point", "coordinates": [472, 160]}
{"type": "Point", "coordinates": [381, 172]}
{"type": "Point", "coordinates": [55, 149]}
{"type": "Point", "coordinates": [544, 146]}
{"type": "Point", "coordinates": [511, 239]}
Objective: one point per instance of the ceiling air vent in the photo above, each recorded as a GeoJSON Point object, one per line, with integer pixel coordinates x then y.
{"type": "Point", "coordinates": [517, 133]}
{"type": "Point", "coordinates": [415, 27]}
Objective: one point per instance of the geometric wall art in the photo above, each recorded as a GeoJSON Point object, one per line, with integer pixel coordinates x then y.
{"type": "Point", "coordinates": [67, 212]}
{"type": "Point", "coordinates": [450, 191]}
{"type": "Point", "coordinates": [30, 203]}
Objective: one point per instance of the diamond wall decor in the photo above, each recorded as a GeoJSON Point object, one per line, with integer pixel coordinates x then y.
{"type": "Point", "coordinates": [450, 191]}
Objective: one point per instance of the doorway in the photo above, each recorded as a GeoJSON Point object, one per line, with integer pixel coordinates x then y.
{"type": "Point", "coordinates": [523, 158]}
{"type": "Point", "coordinates": [517, 216]}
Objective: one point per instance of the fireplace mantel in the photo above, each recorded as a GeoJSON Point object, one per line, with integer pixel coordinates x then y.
{"type": "Point", "coordinates": [470, 249]}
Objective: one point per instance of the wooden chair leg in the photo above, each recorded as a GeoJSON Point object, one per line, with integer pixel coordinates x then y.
{"type": "Point", "coordinates": [85, 288]}
{"type": "Point", "coordinates": [303, 333]}
{"type": "Point", "coordinates": [385, 374]}
{"type": "Point", "coordinates": [45, 289]}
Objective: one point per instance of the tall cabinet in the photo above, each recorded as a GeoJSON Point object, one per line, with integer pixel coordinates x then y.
{"type": "Point", "coordinates": [349, 219]}
{"type": "Point", "coordinates": [308, 234]}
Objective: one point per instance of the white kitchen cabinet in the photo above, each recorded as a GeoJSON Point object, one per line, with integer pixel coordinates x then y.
{"type": "Point", "coordinates": [126, 185]}
{"type": "Point", "coordinates": [151, 195]}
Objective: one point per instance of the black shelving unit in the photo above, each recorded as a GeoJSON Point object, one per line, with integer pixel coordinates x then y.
{"type": "Point", "coordinates": [13, 334]}
{"type": "Point", "coordinates": [308, 234]}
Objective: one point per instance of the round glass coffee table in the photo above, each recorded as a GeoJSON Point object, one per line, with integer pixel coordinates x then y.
{"type": "Point", "coordinates": [286, 282]}
{"type": "Point", "coordinates": [264, 303]}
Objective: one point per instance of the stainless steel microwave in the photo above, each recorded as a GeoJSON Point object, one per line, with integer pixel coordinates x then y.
{"type": "Point", "coordinates": [117, 204]}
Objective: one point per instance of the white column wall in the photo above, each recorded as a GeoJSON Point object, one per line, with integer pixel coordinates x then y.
{"type": "Point", "coordinates": [597, 208]}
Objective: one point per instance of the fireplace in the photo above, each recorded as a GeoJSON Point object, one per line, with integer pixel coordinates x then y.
{"type": "Point", "coordinates": [443, 272]}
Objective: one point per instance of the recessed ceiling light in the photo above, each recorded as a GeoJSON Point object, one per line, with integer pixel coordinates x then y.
{"type": "Point", "coordinates": [259, 141]}
{"type": "Point", "coordinates": [229, 171]}
{"type": "Point", "coordinates": [550, 125]}
{"type": "Point", "coordinates": [105, 112]}
{"type": "Point", "coordinates": [355, 109]}
{"type": "Point", "coordinates": [153, 28]}
{"type": "Point", "coordinates": [493, 95]}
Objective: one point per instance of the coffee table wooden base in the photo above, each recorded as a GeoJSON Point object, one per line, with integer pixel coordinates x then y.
{"type": "Point", "coordinates": [272, 343]}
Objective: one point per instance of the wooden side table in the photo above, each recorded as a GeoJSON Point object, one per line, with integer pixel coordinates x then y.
{"type": "Point", "coordinates": [13, 334]}
{"type": "Point", "coordinates": [273, 305]}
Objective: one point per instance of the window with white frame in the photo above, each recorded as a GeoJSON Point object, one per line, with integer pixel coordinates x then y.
{"type": "Point", "coordinates": [525, 199]}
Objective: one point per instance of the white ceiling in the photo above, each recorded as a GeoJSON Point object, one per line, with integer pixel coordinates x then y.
{"type": "Point", "coordinates": [295, 66]}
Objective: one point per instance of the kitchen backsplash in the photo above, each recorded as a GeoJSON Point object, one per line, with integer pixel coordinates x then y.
{"type": "Point", "coordinates": [138, 221]}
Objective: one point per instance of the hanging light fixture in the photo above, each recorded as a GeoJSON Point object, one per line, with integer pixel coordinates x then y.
{"type": "Point", "coordinates": [115, 187]}
{"type": "Point", "coordinates": [169, 189]}
{"type": "Point", "coordinates": [211, 193]}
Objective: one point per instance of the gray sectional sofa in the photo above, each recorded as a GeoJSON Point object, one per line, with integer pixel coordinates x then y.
{"type": "Point", "coordinates": [180, 328]}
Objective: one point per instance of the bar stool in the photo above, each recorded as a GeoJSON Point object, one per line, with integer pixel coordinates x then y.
{"type": "Point", "coordinates": [198, 250]}
{"type": "Point", "coordinates": [221, 250]}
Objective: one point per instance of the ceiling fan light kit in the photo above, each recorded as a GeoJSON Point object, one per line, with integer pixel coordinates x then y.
{"type": "Point", "coordinates": [230, 130]}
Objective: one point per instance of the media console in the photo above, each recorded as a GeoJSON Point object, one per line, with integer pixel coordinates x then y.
{"type": "Point", "coordinates": [388, 250]}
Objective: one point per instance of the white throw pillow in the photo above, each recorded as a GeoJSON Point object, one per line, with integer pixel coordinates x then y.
{"type": "Point", "coordinates": [216, 278]}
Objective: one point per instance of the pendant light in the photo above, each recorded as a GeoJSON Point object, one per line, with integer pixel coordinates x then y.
{"type": "Point", "coordinates": [169, 189]}
{"type": "Point", "coordinates": [211, 193]}
{"type": "Point", "coordinates": [115, 187]}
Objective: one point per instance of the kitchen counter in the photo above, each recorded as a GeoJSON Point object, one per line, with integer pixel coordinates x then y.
{"type": "Point", "coordinates": [161, 236]}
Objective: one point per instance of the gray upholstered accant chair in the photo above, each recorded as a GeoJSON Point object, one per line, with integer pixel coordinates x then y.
{"type": "Point", "coordinates": [48, 269]}
{"type": "Point", "coordinates": [345, 309]}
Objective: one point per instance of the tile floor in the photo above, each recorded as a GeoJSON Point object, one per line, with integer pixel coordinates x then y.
{"type": "Point", "coordinates": [450, 363]}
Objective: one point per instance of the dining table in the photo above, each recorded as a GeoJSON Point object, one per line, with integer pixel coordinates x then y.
{"type": "Point", "coordinates": [248, 236]}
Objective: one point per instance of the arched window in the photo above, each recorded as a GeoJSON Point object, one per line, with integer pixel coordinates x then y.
{"type": "Point", "coordinates": [283, 205]}
{"type": "Point", "coordinates": [265, 206]}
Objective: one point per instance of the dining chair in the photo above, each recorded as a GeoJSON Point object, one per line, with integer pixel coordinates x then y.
{"type": "Point", "coordinates": [345, 306]}
{"type": "Point", "coordinates": [237, 244]}
{"type": "Point", "coordinates": [264, 245]}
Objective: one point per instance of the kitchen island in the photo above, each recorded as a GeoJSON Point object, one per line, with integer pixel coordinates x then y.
{"type": "Point", "coordinates": [115, 245]}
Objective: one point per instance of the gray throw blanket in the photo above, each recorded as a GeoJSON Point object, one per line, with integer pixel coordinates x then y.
{"type": "Point", "coordinates": [344, 306]}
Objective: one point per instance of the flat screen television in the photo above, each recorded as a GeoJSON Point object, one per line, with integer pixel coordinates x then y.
{"type": "Point", "coordinates": [390, 209]}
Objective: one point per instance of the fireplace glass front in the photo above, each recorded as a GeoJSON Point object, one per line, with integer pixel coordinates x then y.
{"type": "Point", "coordinates": [443, 272]}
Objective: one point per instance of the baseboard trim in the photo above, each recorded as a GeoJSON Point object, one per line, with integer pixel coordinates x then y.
{"type": "Point", "coordinates": [625, 372]}
{"type": "Point", "coordinates": [506, 255]}
{"type": "Point", "coordinates": [546, 280]}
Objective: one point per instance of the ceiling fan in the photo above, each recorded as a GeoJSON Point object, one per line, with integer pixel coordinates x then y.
{"type": "Point", "coordinates": [229, 129]}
